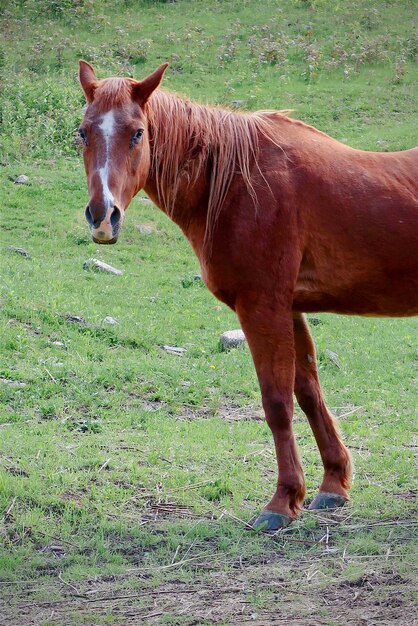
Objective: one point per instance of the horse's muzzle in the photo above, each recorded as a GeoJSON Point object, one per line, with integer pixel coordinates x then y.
{"type": "Point", "coordinates": [104, 224]}
{"type": "Point", "coordinates": [102, 240]}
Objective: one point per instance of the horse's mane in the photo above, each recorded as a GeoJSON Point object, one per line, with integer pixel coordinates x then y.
{"type": "Point", "coordinates": [187, 137]}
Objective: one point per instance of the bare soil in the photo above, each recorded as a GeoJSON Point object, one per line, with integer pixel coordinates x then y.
{"type": "Point", "coordinates": [274, 594]}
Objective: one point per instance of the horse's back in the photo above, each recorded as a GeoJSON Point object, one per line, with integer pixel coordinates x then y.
{"type": "Point", "coordinates": [358, 227]}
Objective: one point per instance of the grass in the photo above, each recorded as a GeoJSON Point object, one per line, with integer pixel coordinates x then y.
{"type": "Point", "coordinates": [125, 470]}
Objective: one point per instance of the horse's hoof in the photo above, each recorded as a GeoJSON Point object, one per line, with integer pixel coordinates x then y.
{"type": "Point", "coordinates": [326, 500]}
{"type": "Point", "coordinates": [269, 521]}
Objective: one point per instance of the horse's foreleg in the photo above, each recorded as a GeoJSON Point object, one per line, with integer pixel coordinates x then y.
{"type": "Point", "coordinates": [270, 337]}
{"type": "Point", "coordinates": [335, 456]}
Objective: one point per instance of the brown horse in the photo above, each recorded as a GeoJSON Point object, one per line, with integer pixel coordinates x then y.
{"type": "Point", "coordinates": [283, 219]}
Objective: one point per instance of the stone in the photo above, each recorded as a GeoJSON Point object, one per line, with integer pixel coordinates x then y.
{"type": "Point", "coordinates": [75, 319]}
{"type": "Point", "coordinates": [232, 339]}
{"type": "Point", "coordinates": [21, 251]}
{"type": "Point", "coordinates": [12, 383]}
{"type": "Point", "coordinates": [333, 357]}
{"type": "Point", "coordinates": [145, 229]}
{"type": "Point", "coordinates": [175, 350]}
{"type": "Point", "coordinates": [110, 320]}
{"type": "Point", "coordinates": [238, 104]}
{"type": "Point", "coordinates": [22, 180]}
{"type": "Point", "coordinates": [95, 265]}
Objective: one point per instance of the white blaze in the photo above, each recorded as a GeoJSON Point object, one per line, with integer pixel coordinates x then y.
{"type": "Point", "coordinates": [107, 125]}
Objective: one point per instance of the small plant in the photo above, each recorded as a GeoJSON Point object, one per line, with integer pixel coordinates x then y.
{"type": "Point", "coordinates": [228, 51]}
{"type": "Point", "coordinates": [400, 70]}
{"type": "Point", "coordinates": [215, 491]}
{"type": "Point", "coordinates": [269, 48]}
{"type": "Point", "coordinates": [313, 60]}
{"type": "Point", "coordinates": [369, 19]}
{"type": "Point", "coordinates": [83, 425]}
{"type": "Point", "coordinates": [133, 52]}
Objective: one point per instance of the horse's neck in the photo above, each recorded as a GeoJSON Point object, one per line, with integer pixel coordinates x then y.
{"type": "Point", "coordinates": [180, 191]}
{"type": "Point", "coordinates": [188, 210]}
{"type": "Point", "coordinates": [196, 154]}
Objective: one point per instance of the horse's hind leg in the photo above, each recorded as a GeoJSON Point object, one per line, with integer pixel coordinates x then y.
{"type": "Point", "coordinates": [270, 337]}
{"type": "Point", "coordinates": [335, 456]}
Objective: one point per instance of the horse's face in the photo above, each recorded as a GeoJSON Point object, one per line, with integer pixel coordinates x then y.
{"type": "Point", "coordinates": [116, 150]}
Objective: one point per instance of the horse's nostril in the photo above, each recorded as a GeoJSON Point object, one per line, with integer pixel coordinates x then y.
{"type": "Point", "coordinates": [115, 217]}
{"type": "Point", "coordinates": [94, 222]}
{"type": "Point", "coordinates": [89, 216]}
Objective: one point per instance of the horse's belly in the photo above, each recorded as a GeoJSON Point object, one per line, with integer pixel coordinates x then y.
{"type": "Point", "coordinates": [397, 298]}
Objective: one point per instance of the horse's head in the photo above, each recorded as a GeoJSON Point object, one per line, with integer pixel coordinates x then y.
{"type": "Point", "coordinates": [116, 152]}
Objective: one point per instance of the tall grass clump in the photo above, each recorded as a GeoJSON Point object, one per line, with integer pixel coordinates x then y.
{"type": "Point", "coordinates": [39, 118]}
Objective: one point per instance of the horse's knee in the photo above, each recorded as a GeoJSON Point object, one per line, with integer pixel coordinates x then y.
{"type": "Point", "coordinates": [278, 408]}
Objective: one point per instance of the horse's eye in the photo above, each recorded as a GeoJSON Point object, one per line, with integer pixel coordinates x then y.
{"type": "Point", "coordinates": [83, 135]}
{"type": "Point", "coordinates": [136, 136]}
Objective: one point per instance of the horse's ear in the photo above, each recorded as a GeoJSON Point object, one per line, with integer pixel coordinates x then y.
{"type": "Point", "coordinates": [88, 80]}
{"type": "Point", "coordinates": [143, 89]}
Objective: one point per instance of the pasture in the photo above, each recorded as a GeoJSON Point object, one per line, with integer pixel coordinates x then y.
{"type": "Point", "coordinates": [128, 473]}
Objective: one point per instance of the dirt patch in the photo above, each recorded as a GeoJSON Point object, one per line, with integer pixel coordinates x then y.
{"type": "Point", "coordinates": [227, 412]}
{"type": "Point", "coordinates": [274, 594]}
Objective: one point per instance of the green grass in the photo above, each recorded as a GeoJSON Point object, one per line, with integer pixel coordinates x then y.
{"type": "Point", "coordinates": [102, 429]}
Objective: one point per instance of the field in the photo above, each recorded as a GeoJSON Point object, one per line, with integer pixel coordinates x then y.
{"type": "Point", "coordinates": [128, 472]}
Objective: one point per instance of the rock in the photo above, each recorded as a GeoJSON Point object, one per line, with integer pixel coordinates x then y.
{"type": "Point", "coordinates": [238, 104]}
{"type": "Point", "coordinates": [144, 199]}
{"type": "Point", "coordinates": [175, 350]}
{"type": "Point", "coordinates": [232, 339]}
{"type": "Point", "coordinates": [22, 180]}
{"type": "Point", "coordinates": [21, 251]}
{"type": "Point", "coordinates": [110, 320]}
{"type": "Point", "coordinates": [61, 344]}
{"type": "Point", "coordinates": [333, 357]}
{"type": "Point", "coordinates": [75, 319]}
{"type": "Point", "coordinates": [145, 229]}
{"type": "Point", "coordinates": [56, 549]}
{"type": "Point", "coordinates": [95, 265]}
{"type": "Point", "coordinates": [12, 383]}
{"type": "Point", "coordinates": [197, 277]}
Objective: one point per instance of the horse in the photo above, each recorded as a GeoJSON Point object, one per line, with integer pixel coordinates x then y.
{"type": "Point", "coordinates": [284, 220]}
